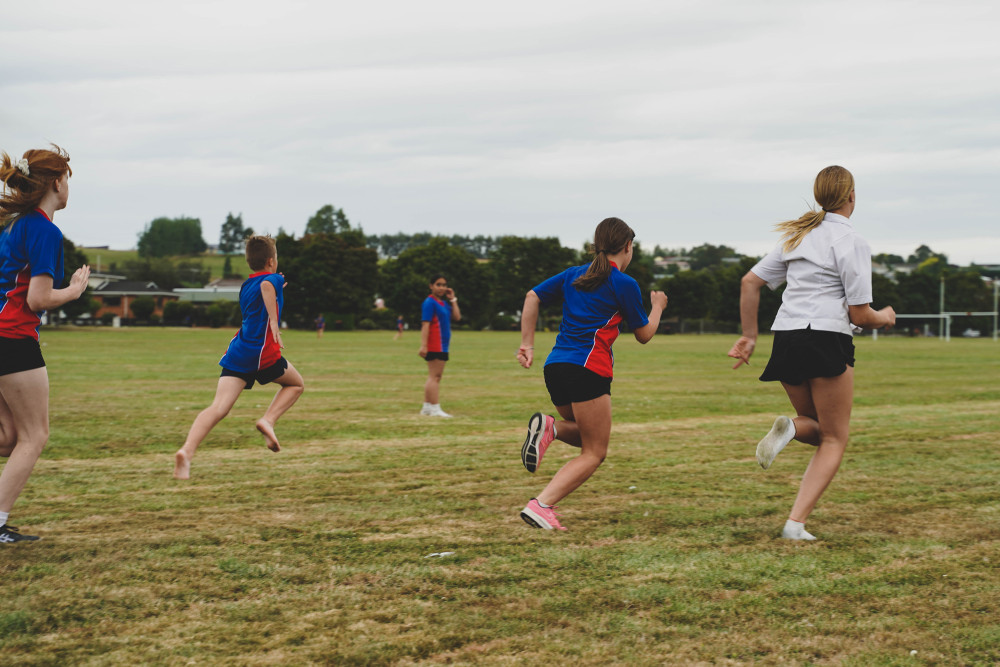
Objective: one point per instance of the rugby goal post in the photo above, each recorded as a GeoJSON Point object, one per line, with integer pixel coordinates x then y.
{"type": "Point", "coordinates": [944, 325]}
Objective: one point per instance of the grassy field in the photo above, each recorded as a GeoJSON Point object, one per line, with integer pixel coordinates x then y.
{"type": "Point", "coordinates": [99, 257]}
{"type": "Point", "coordinates": [319, 554]}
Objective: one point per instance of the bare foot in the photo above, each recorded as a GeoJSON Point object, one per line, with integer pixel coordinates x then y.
{"type": "Point", "coordinates": [182, 465]}
{"type": "Point", "coordinates": [270, 439]}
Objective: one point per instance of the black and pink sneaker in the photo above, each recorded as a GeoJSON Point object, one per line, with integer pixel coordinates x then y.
{"type": "Point", "coordinates": [540, 435]}
{"type": "Point", "coordinates": [541, 517]}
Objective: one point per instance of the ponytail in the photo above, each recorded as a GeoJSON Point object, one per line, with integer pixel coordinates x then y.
{"type": "Point", "coordinates": [26, 181]}
{"type": "Point", "coordinates": [832, 189]}
{"type": "Point", "coordinates": [793, 231]}
{"type": "Point", "coordinates": [610, 237]}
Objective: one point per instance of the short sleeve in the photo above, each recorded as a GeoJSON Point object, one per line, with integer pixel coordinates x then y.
{"type": "Point", "coordinates": [278, 281]}
{"type": "Point", "coordinates": [853, 256]}
{"type": "Point", "coordinates": [427, 310]}
{"type": "Point", "coordinates": [772, 269]}
{"type": "Point", "coordinates": [45, 252]}
{"type": "Point", "coordinates": [550, 290]}
{"type": "Point", "coordinates": [630, 303]}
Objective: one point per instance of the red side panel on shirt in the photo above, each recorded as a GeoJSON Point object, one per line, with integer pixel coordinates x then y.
{"type": "Point", "coordinates": [16, 319]}
{"type": "Point", "coordinates": [600, 359]}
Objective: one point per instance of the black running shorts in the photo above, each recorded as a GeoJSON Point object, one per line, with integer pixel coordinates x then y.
{"type": "Point", "coordinates": [19, 354]}
{"type": "Point", "coordinates": [570, 383]}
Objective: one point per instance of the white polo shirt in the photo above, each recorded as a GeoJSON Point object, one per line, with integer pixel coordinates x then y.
{"type": "Point", "coordinates": [829, 270]}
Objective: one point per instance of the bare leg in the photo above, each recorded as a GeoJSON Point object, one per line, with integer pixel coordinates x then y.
{"type": "Point", "coordinates": [8, 431]}
{"type": "Point", "coordinates": [292, 387]}
{"type": "Point", "coordinates": [806, 425]}
{"type": "Point", "coordinates": [568, 430]}
{"type": "Point", "coordinates": [593, 419]}
{"type": "Point", "coordinates": [435, 369]}
{"type": "Point", "coordinates": [26, 395]}
{"type": "Point", "coordinates": [226, 393]}
{"type": "Point", "coordinates": [833, 398]}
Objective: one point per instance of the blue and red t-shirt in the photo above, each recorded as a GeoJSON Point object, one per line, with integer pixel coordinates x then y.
{"type": "Point", "coordinates": [254, 347]}
{"type": "Point", "coordinates": [590, 319]}
{"type": "Point", "coordinates": [30, 246]}
{"type": "Point", "coordinates": [438, 313]}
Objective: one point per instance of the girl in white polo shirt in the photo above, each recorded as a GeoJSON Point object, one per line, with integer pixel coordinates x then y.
{"type": "Point", "coordinates": [829, 273]}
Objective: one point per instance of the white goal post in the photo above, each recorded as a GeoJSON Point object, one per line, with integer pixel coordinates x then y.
{"type": "Point", "coordinates": [944, 326]}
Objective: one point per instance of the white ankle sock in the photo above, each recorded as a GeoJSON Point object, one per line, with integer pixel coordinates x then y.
{"type": "Point", "coordinates": [541, 504]}
{"type": "Point", "coordinates": [796, 530]}
{"type": "Point", "coordinates": [3, 518]}
{"type": "Point", "coordinates": [553, 430]}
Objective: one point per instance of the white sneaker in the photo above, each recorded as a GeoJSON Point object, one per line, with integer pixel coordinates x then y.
{"type": "Point", "coordinates": [777, 438]}
{"type": "Point", "coordinates": [439, 413]}
{"type": "Point", "coordinates": [796, 531]}
{"type": "Point", "coordinates": [427, 410]}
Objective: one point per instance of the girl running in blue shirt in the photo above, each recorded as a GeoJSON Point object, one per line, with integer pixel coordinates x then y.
{"type": "Point", "coordinates": [31, 273]}
{"type": "Point", "coordinates": [596, 298]}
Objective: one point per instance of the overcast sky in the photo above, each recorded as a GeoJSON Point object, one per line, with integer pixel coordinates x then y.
{"type": "Point", "coordinates": [696, 122]}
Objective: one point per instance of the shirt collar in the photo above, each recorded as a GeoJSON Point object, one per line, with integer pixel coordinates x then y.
{"type": "Point", "coordinates": [259, 273]}
{"type": "Point", "coordinates": [838, 218]}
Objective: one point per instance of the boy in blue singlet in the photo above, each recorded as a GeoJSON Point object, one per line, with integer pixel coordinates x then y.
{"type": "Point", "coordinates": [254, 355]}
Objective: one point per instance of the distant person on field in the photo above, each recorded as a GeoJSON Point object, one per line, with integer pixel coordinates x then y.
{"type": "Point", "coordinates": [320, 323]}
{"type": "Point", "coordinates": [31, 268]}
{"type": "Point", "coordinates": [596, 299]}
{"type": "Point", "coordinates": [399, 327]}
{"type": "Point", "coordinates": [828, 268]}
{"type": "Point", "coordinates": [436, 315]}
{"type": "Point", "coordinates": [254, 354]}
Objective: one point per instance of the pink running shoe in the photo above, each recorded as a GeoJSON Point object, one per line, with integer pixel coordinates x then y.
{"type": "Point", "coordinates": [541, 517]}
{"type": "Point", "coordinates": [540, 435]}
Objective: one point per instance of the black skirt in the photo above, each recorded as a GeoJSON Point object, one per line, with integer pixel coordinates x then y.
{"type": "Point", "coordinates": [799, 355]}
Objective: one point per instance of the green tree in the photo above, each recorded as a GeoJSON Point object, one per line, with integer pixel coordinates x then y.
{"type": "Point", "coordinates": [708, 255]}
{"type": "Point", "coordinates": [165, 237]}
{"type": "Point", "coordinates": [233, 235]}
{"type": "Point", "coordinates": [326, 273]}
{"type": "Point", "coordinates": [518, 264]}
{"type": "Point", "coordinates": [328, 220]}
{"type": "Point", "coordinates": [73, 259]}
{"type": "Point", "coordinates": [690, 294]}
{"type": "Point", "coordinates": [404, 281]}
{"type": "Point", "coordinates": [142, 307]}
{"type": "Point", "coordinates": [158, 270]}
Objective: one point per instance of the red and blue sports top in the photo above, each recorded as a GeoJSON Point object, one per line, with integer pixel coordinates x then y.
{"type": "Point", "coordinates": [438, 313]}
{"type": "Point", "coordinates": [590, 319]}
{"type": "Point", "coordinates": [30, 246]}
{"type": "Point", "coordinates": [254, 347]}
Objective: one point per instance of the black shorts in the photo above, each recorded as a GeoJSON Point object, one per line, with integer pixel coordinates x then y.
{"type": "Point", "coordinates": [799, 355]}
{"type": "Point", "coordinates": [263, 376]}
{"type": "Point", "coordinates": [20, 354]}
{"type": "Point", "coordinates": [433, 356]}
{"type": "Point", "coordinates": [570, 383]}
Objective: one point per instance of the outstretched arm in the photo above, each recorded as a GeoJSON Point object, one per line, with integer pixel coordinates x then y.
{"type": "Point", "coordinates": [529, 319]}
{"type": "Point", "coordinates": [749, 303]}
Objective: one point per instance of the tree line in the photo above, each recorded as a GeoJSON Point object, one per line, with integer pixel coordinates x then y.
{"type": "Point", "coordinates": [337, 270]}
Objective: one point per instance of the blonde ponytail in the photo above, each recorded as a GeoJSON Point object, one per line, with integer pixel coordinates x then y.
{"type": "Point", "coordinates": [832, 189]}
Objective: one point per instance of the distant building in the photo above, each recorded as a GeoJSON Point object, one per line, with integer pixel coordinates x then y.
{"type": "Point", "coordinates": [116, 297]}
{"type": "Point", "coordinates": [221, 289]}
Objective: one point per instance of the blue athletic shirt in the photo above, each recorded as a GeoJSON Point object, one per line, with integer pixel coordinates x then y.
{"type": "Point", "coordinates": [438, 313]}
{"type": "Point", "coordinates": [254, 347]}
{"type": "Point", "coordinates": [590, 319]}
{"type": "Point", "coordinates": [30, 246]}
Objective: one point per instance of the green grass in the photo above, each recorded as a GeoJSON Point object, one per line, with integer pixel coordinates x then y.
{"type": "Point", "coordinates": [316, 555]}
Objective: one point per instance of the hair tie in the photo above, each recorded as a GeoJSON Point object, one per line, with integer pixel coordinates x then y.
{"type": "Point", "coordinates": [22, 166]}
{"type": "Point", "coordinates": [598, 252]}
